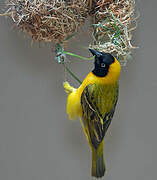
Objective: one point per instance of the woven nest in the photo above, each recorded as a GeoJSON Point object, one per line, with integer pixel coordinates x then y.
{"type": "Point", "coordinates": [112, 27]}
{"type": "Point", "coordinates": [48, 20]}
{"type": "Point", "coordinates": [58, 20]}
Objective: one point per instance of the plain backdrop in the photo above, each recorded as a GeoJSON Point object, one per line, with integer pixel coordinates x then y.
{"type": "Point", "coordinates": [38, 142]}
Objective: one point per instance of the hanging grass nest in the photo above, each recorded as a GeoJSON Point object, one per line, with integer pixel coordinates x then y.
{"type": "Point", "coordinates": [113, 23]}
{"type": "Point", "coordinates": [58, 20]}
{"type": "Point", "coordinates": [48, 20]}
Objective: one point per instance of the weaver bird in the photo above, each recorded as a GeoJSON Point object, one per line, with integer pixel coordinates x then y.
{"type": "Point", "coordinates": [94, 103]}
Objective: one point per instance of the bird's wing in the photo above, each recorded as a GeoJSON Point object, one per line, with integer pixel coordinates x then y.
{"type": "Point", "coordinates": [98, 106]}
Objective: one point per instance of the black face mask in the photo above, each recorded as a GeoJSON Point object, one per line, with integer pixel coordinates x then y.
{"type": "Point", "coordinates": [102, 64]}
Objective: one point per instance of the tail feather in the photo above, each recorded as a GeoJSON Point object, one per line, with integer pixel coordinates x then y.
{"type": "Point", "coordinates": [98, 165]}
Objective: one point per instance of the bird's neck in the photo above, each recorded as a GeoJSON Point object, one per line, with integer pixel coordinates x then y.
{"type": "Point", "coordinates": [110, 76]}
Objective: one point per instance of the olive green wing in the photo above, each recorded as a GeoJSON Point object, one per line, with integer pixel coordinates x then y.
{"type": "Point", "coordinates": [98, 106]}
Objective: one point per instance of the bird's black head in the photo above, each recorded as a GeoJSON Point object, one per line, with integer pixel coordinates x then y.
{"type": "Point", "coordinates": [102, 62]}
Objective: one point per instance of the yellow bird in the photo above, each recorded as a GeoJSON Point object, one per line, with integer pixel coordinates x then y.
{"type": "Point", "coordinates": [94, 103]}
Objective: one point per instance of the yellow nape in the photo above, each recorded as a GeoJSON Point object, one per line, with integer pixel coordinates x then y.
{"type": "Point", "coordinates": [73, 102]}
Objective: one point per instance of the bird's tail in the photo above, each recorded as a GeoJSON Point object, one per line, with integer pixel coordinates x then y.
{"type": "Point", "coordinates": [98, 164]}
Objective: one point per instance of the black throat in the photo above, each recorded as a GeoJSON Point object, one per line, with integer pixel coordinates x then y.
{"type": "Point", "coordinates": [100, 72]}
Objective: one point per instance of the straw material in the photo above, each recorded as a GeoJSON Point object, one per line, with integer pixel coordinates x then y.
{"type": "Point", "coordinates": [58, 20]}
{"type": "Point", "coordinates": [112, 28]}
{"type": "Point", "coordinates": [48, 20]}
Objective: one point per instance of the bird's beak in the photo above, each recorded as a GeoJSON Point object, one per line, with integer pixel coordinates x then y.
{"type": "Point", "coordinates": [95, 53]}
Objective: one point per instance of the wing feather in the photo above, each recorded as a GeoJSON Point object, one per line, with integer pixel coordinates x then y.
{"type": "Point", "coordinates": [98, 105]}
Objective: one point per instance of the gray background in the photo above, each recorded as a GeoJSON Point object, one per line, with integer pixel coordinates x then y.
{"type": "Point", "coordinates": [38, 142]}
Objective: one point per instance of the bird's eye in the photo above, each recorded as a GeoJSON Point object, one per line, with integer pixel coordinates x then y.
{"type": "Point", "coordinates": [103, 65]}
